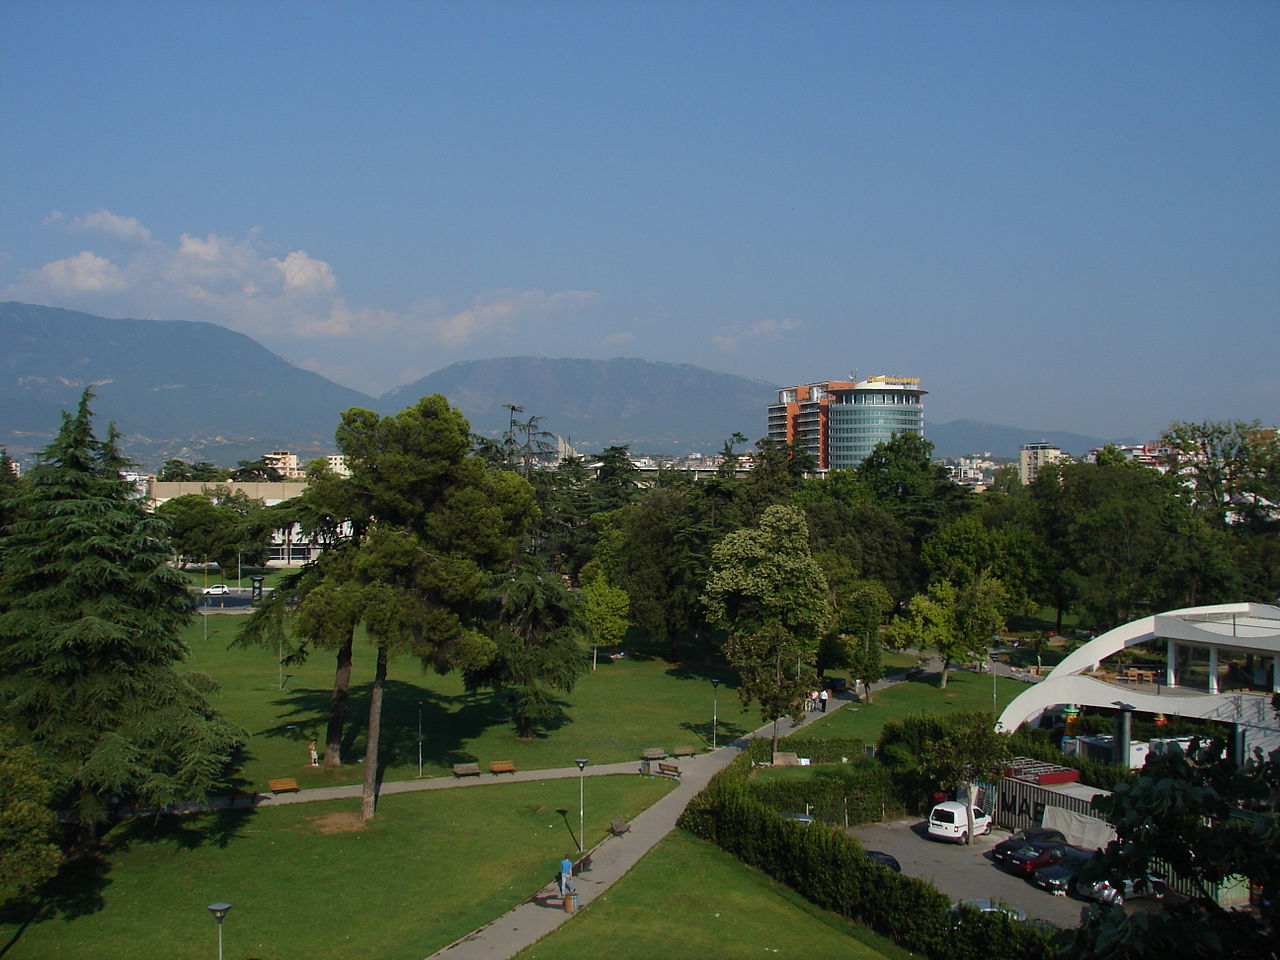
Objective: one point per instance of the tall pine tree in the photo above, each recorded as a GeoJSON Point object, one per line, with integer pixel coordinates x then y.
{"type": "Point", "coordinates": [89, 648]}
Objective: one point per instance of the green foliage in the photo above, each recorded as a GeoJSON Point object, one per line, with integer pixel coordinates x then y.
{"type": "Point", "coordinates": [604, 607]}
{"type": "Point", "coordinates": [1190, 816]}
{"type": "Point", "coordinates": [28, 854]}
{"type": "Point", "coordinates": [180, 471]}
{"type": "Point", "coordinates": [915, 490]}
{"type": "Point", "coordinates": [930, 750]}
{"type": "Point", "coordinates": [89, 650]}
{"type": "Point", "coordinates": [768, 593]}
{"type": "Point", "coordinates": [840, 794]}
{"type": "Point", "coordinates": [537, 646]}
{"type": "Point", "coordinates": [1233, 468]}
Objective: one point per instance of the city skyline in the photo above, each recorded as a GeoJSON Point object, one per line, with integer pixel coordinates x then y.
{"type": "Point", "coordinates": [1057, 215]}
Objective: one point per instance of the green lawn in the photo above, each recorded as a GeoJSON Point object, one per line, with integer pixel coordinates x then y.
{"type": "Point", "coordinates": [428, 869]}
{"type": "Point", "coordinates": [965, 691]}
{"type": "Point", "coordinates": [688, 898]}
{"type": "Point", "coordinates": [614, 712]}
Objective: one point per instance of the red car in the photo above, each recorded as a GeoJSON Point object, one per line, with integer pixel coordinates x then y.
{"type": "Point", "coordinates": [1026, 860]}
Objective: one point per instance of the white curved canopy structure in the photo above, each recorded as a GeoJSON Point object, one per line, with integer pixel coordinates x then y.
{"type": "Point", "coordinates": [1222, 662]}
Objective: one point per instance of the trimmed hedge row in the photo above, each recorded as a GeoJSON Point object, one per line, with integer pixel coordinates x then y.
{"type": "Point", "coordinates": [831, 870]}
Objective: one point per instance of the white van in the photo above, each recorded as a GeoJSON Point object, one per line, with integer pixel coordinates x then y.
{"type": "Point", "coordinates": [947, 821]}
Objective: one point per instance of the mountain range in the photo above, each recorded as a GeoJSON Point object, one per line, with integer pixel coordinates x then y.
{"type": "Point", "coordinates": [199, 391]}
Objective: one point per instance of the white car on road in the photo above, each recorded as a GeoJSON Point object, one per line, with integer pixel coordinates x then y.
{"type": "Point", "coordinates": [217, 590]}
{"type": "Point", "coordinates": [947, 821]}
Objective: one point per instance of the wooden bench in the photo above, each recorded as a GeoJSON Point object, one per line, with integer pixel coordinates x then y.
{"type": "Point", "coordinates": [466, 769]}
{"type": "Point", "coordinates": [669, 770]}
{"type": "Point", "coordinates": [683, 752]}
{"type": "Point", "coordinates": [653, 753]}
{"type": "Point", "coordinates": [502, 766]}
{"type": "Point", "coordinates": [283, 784]}
{"type": "Point", "coordinates": [619, 827]}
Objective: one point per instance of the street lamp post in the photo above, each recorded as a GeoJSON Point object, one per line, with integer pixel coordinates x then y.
{"type": "Point", "coordinates": [219, 911]}
{"type": "Point", "coordinates": [582, 766]}
{"type": "Point", "coordinates": [715, 704]}
{"type": "Point", "coordinates": [420, 701]}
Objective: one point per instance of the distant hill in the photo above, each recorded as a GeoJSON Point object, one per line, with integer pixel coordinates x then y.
{"type": "Point", "coordinates": [962, 438]}
{"type": "Point", "coordinates": [202, 392]}
{"type": "Point", "coordinates": [669, 408]}
{"type": "Point", "coordinates": [174, 388]}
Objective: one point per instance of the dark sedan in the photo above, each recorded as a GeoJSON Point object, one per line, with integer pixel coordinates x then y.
{"type": "Point", "coordinates": [1060, 879]}
{"type": "Point", "coordinates": [1020, 839]}
{"type": "Point", "coordinates": [1031, 857]}
{"type": "Point", "coordinates": [885, 860]}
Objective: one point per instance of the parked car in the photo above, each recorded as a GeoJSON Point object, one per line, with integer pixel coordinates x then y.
{"type": "Point", "coordinates": [1060, 879]}
{"type": "Point", "coordinates": [803, 818]}
{"type": "Point", "coordinates": [885, 859]}
{"type": "Point", "coordinates": [1022, 838]}
{"type": "Point", "coordinates": [947, 821]}
{"type": "Point", "coordinates": [1031, 857]}
{"type": "Point", "coordinates": [217, 590]}
{"type": "Point", "coordinates": [992, 906]}
{"type": "Point", "coordinates": [1107, 891]}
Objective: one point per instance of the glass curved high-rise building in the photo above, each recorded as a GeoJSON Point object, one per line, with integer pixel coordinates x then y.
{"type": "Point", "coordinates": [841, 421]}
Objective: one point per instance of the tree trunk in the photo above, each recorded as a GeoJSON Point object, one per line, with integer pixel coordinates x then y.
{"type": "Point", "coordinates": [775, 735]}
{"type": "Point", "coordinates": [946, 665]}
{"type": "Point", "coordinates": [338, 706]}
{"type": "Point", "coordinates": [367, 796]}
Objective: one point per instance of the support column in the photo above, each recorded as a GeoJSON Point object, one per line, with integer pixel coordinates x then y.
{"type": "Point", "coordinates": [1275, 674]}
{"type": "Point", "coordinates": [1213, 669]}
{"type": "Point", "coordinates": [1124, 722]}
{"type": "Point", "coordinates": [1171, 666]}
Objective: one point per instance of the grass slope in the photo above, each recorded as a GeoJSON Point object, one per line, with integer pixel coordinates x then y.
{"type": "Point", "coordinates": [688, 898]}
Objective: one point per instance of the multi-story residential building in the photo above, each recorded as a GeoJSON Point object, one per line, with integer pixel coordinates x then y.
{"type": "Point", "coordinates": [338, 464]}
{"type": "Point", "coordinates": [1033, 456]}
{"type": "Point", "coordinates": [285, 462]}
{"type": "Point", "coordinates": [840, 422]}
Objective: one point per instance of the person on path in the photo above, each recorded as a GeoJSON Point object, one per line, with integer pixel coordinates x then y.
{"type": "Point", "coordinates": [315, 757]}
{"type": "Point", "coordinates": [822, 697]}
{"type": "Point", "coordinates": [813, 701]}
{"type": "Point", "coordinates": [566, 876]}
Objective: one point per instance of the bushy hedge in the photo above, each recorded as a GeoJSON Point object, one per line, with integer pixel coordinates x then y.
{"type": "Point", "coordinates": [841, 794]}
{"type": "Point", "coordinates": [832, 871]}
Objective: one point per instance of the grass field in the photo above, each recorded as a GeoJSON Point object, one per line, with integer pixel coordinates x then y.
{"type": "Point", "coordinates": [965, 691]}
{"type": "Point", "coordinates": [613, 713]}
{"type": "Point", "coordinates": [688, 898]}
{"type": "Point", "coordinates": [431, 867]}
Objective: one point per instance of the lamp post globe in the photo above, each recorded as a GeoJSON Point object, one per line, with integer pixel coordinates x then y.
{"type": "Point", "coordinates": [219, 911]}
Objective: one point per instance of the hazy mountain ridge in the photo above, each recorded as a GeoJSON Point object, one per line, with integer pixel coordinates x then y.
{"type": "Point", "coordinates": [202, 392]}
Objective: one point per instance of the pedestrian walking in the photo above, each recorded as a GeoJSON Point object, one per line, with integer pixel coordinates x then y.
{"type": "Point", "coordinates": [813, 701]}
{"type": "Point", "coordinates": [566, 876]}
{"type": "Point", "coordinates": [822, 698]}
{"type": "Point", "coordinates": [315, 757]}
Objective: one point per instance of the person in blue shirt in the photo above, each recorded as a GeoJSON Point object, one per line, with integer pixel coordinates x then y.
{"type": "Point", "coordinates": [566, 876]}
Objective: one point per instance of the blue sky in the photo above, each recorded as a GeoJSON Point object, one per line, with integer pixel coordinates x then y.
{"type": "Point", "coordinates": [1058, 215]}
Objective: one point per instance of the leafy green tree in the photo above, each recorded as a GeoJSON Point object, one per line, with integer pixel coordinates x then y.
{"type": "Point", "coordinates": [776, 477]}
{"type": "Point", "coordinates": [662, 559]}
{"type": "Point", "coordinates": [1233, 468]}
{"type": "Point", "coordinates": [433, 523]}
{"type": "Point", "coordinates": [861, 610]}
{"type": "Point", "coordinates": [964, 756]}
{"type": "Point", "coordinates": [28, 854]}
{"type": "Point", "coordinates": [538, 645]}
{"type": "Point", "coordinates": [768, 593]}
{"type": "Point", "coordinates": [1190, 816]}
{"type": "Point", "coordinates": [254, 471]}
{"type": "Point", "coordinates": [617, 478]}
{"type": "Point", "coordinates": [955, 624]}
{"type": "Point", "coordinates": [604, 608]}
{"type": "Point", "coordinates": [917, 492]}
{"type": "Point", "coordinates": [182, 472]}
{"type": "Point", "coordinates": [90, 612]}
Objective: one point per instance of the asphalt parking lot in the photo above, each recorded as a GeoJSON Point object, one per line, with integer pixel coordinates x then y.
{"type": "Point", "coordinates": [969, 873]}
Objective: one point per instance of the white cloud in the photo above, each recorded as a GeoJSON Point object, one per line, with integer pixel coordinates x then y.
{"type": "Point", "coordinates": [84, 273]}
{"type": "Point", "coordinates": [284, 301]}
{"type": "Point", "coordinates": [105, 222]}
{"type": "Point", "coordinates": [504, 312]}
{"type": "Point", "coordinates": [768, 329]}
